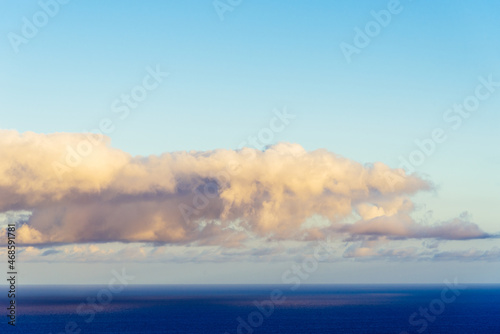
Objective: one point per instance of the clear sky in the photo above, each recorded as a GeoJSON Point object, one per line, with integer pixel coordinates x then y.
{"type": "Point", "coordinates": [230, 69]}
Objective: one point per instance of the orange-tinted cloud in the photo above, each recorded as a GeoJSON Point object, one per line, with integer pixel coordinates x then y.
{"type": "Point", "coordinates": [80, 189]}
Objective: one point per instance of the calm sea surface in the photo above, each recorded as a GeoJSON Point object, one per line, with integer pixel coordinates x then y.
{"type": "Point", "coordinates": [255, 309]}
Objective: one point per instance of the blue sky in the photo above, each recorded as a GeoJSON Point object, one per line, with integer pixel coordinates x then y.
{"type": "Point", "coordinates": [227, 76]}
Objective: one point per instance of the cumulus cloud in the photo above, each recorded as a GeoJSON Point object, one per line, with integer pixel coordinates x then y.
{"type": "Point", "coordinates": [81, 190]}
{"type": "Point", "coordinates": [402, 225]}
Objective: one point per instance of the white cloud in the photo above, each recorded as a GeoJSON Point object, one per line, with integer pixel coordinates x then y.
{"type": "Point", "coordinates": [220, 197]}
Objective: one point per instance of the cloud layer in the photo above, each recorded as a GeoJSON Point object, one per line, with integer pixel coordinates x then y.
{"type": "Point", "coordinates": [81, 190]}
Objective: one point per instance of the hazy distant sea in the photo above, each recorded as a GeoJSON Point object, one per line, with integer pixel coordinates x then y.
{"type": "Point", "coordinates": [216, 309]}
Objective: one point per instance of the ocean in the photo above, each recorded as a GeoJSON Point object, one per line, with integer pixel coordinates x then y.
{"type": "Point", "coordinates": [397, 309]}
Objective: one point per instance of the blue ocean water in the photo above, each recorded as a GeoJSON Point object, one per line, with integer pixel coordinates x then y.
{"type": "Point", "coordinates": [256, 309]}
